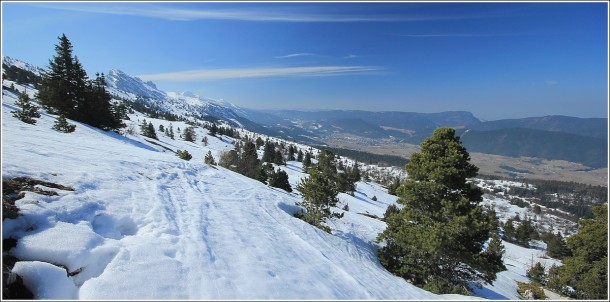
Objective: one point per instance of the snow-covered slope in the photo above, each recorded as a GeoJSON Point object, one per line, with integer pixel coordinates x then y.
{"type": "Point", "coordinates": [144, 224]}
{"type": "Point", "coordinates": [8, 61]}
{"type": "Point", "coordinates": [186, 104]}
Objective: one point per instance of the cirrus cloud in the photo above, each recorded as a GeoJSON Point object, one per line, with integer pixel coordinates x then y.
{"type": "Point", "coordinates": [237, 73]}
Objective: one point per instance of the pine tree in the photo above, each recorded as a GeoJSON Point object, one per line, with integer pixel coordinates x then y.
{"type": "Point", "coordinates": [62, 89]}
{"type": "Point", "coordinates": [291, 152]}
{"type": "Point", "coordinates": [184, 154]}
{"type": "Point", "coordinates": [171, 131]}
{"type": "Point", "coordinates": [307, 160]}
{"type": "Point", "coordinates": [279, 179]}
{"type": "Point", "coordinates": [436, 241]}
{"type": "Point", "coordinates": [189, 134]}
{"type": "Point", "coordinates": [66, 90]}
{"type": "Point", "coordinates": [28, 110]}
{"type": "Point", "coordinates": [319, 195]}
{"type": "Point", "coordinates": [556, 246]}
{"type": "Point", "coordinates": [249, 162]}
{"type": "Point", "coordinates": [161, 128]}
{"type": "Point", "coordinates": [269, 153]}
{"type": "Point", "coordinates": [536, 273]}
{"type": "Point", "coordinates": [61, 124]}
{"type": "Point", "coordinates": [300, 156]}
{"type": "Point", "coordinates": [213, 130]}
{"type": "Point", "coordinates": [586, 271]}
{"type": "Point", "coordinates": [278, 158]}
{"type": "Point", "coordinates": [209, 159]}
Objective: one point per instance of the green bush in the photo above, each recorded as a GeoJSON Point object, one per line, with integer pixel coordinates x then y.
{"type": "Point", "coordinates": [183, 154]}
{"type": "Point", "coordinates": [526, 288]}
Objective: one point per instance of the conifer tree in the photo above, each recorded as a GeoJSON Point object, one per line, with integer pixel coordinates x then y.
{"type": "Point", "coordinates": [161, 128]}
{"type": "Point", "coordinates": [436, 240]}
{"type": "Point", "coordinates": [209, 159]}
{"type": "Point", "coordinates": [269, 153]}
{"type": "Point", "coordinates": [249, 162]}
{"type": "Point", "coordinates": [61, 124]}
{"type": "Point", "coordinates": [184, 154]}
{"type": "Point", "coordinates": [213, 129]}
{"type": "Point", "coordinates": [63, 87]}
{"type": "Point", "coordinates": [171, 131]}
{"type": "Point", "coordinates": [66, 90]}
{"type": "Point", "coordinates": [279, 179]}
{"type": "Point", "coordinates": [307, 160]}
{"type": "Point", "coordinates": [319, 195]}
{"type": "Point", "coordinates": [28, 110]}
{"type": "Point", "coordinates": [586, 271]}
{"type": "Point", "coordinates": [189, 134]}
{"type": "Point", "coordinates": [300, 156]}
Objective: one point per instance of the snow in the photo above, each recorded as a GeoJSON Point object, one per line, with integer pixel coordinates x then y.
{"type": "Point", "coordinates": [47, 281]}
{"type": "Point", "coordinates": [144, 224]}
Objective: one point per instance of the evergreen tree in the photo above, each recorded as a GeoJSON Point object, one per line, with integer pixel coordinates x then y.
{"type": "Point", "coordinates": [556, 246]}
{"type": "Point", "coordinates": [209, 159]}
{"type": "Point", "coordinates": [28, 110]}
{"type": "Point", "coordinates": [269, 153]}
{"type": "Point", "coordinates": [171, 131]}
{"type": "Point", "coordinates": [249, 162]}
{"type": "Point", "coordinates": [184, 154]}
{"type": "Point", "coordinates": [279, 179]}
{"type": "Point", "coordinates": [586, 272]}
{"type": "Point", "coordinates": [436, 241]}
{"type": "Point", "coordinates": [61, 124]}
{"type": "Point", "coordinates": [300, 156]}
{"type": "Point", "coordinates": [63, 87]}
{"type": "Point", "coordinates": [536, 273]}
{"type": "Point", "coordinates": [264, 171]}
{"type": "Point", "coordinates": [205, 141]}
{"type": "Point", "coordinates": [278, 158]}
{"type": "Point", "coordinates": [259, 142]}
{"type": "Point", "coordinates": [291, 152]}
{"type": "Point", "coordinates": [66, 90]}
{"type": "Point", "coordinates": [213, 130]}
{"type": "Point", "coordinates": [509, 231]}
{"type": "Point", "coordinates": [326, 164]}
{"type": "Point", "coordinates": [319, 195]}
{"type": "Point", "coordinates": [189, 134]}
{"type": "Point", "coordinates": [161, 128]}
{"type": "Point", "coordinates": [307, 160]}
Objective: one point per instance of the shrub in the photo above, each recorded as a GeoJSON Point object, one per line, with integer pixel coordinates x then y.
{"type": "Point", "coordinates": [183, 154]}
{"type": "Point", "coordinates": [62, 125]}
{"type": "Point", "coordinates": [531, 291]}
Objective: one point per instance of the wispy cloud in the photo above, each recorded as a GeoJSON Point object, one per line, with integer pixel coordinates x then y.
{"type": "Point", "coordinates": [351, 56]}
{"type": "Point", "coordinates": [293, 55]}
{"type": "Point", "coordinates": [236, 73]}
{"type": "Point", "coordinates": [551, 82]}
{"type": "Point", "coordinates": [276, 14]}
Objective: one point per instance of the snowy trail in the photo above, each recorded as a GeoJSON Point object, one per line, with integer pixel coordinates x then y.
{"type": "Point", "coordinates": [143, 224]}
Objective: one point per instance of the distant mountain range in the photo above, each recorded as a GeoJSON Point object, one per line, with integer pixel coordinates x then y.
{"type": "Point", "coordinates": [580, 140]}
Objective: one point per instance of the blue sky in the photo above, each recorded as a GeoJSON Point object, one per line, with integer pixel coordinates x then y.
{"type": "Point", "coordinates": [496, 60]}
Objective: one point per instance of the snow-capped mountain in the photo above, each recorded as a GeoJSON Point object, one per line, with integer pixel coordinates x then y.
{"type": "Point", "coordinates": [118, 80]}
{"type": "Point", "coordinates": [187, 104]}
{"type": "Point", "coordinates": [8, 61]}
